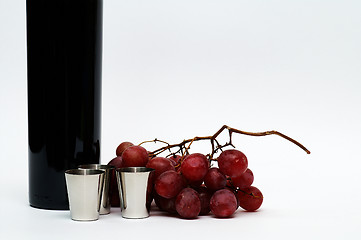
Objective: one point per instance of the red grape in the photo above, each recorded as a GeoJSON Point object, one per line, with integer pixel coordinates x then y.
{"type": "Point", "coordinates": [196, 184]}
{"type": "Point", "coordinates": [175, 159]}
{"type": "Point", "coordinates": [117, 162]}
{"type": "Point", "coordinates": [232, 162]}
{"type": "Point", "coordinates": [165, 204]}
{"type": "Point", "coordinates": [194, 167]}
{"type": "Point", "coordinates": [122, 147]}
{"type": "Point", "coordinates": [223, 203]}
{"type": "Point", "coordinates": [169, 184]}
{"type": "Point", "coordinates": [135, 156]}
{"type": "Point", "coordinates": [215, 180]}
{"type": "Point", "coordinates": [150, 189]}
{"type": "Point", "coordinates": [187, 203]}
{"type": "Point", "coordinates": [160, 165]}
{"type": "Point", "coordinates": [244, 180]}
{"type": "Point", "coordinates": [205, 197]}
{"type": "Point", "coordinates": [114, 198]}
{"type": "Point", "coordinates": [250, 198]}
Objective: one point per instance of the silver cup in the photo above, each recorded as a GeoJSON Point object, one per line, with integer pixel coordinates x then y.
{"type": "Point", "coordinates": [133, 189]}
{"type": "Point", "coordinates": [84, 188]}
{"type": "Point", "coordinates": [105, 201]}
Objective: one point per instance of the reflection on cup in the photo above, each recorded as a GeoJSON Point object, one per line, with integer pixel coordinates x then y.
{"type": "Point", "coordinates": [84, 188]}
{"type": "Point", "coordinates": [105, 202]}
{"type": "Point", "coordinates": [133, 190]}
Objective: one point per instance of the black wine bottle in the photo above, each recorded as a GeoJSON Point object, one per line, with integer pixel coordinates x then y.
{"type": "Point", "coordinates": [64, 59]}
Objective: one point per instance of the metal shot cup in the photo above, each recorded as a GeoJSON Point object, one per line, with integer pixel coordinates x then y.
{"type": "Point", "coordinates": [105, 201]}
{"type": "Point", "coordinates": [133, 189]}
{"type": "Point", "coordinates": [84, 188]}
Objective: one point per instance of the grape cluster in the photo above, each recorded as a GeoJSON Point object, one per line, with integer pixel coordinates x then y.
{"type": "Point", "coordinates": [189, 186]}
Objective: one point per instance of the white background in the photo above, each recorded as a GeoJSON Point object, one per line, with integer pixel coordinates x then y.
{"type": "Point", "coordinates": [179, 69]}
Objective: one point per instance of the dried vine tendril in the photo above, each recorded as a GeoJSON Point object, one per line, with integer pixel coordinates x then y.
{"type": "Point", "coordinates": [183, 147]}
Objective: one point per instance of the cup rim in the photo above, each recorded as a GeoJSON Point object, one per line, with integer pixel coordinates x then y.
{"type": "Point", "coordinates": [96, 166]}
{"type": "Point", "coordinates": [134, 169]}
{"type": "Point", "coordinates": [83, 172]}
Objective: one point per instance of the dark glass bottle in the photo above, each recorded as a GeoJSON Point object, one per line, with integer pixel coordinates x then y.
{"type": "Point", "coordinates": [64, 53]}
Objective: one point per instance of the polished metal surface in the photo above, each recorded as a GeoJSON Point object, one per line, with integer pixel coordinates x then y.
{"type": "Point", "coordinates": [133, 185]}
{"type": "Point", "coordinates": [84, 188]}
{"type": "Point", "coordinates": [105, 201]}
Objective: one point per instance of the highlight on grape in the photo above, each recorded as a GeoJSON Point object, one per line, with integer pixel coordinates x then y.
{"type": "Point", "coordinates": [186, 184]}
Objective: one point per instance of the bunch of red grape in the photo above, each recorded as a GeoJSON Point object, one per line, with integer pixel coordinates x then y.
{"type": "Point", "coordinates": [188, 186]}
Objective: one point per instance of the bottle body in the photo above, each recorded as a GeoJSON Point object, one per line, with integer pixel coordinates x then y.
{"type": "Point", "coordinates": [64, 51]}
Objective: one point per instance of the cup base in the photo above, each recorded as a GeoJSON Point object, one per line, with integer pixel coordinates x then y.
{"type": "Point", "coordinates": [84, 220]}
{"type": "Point", "coordinates": [104, 212]}
{"type": "Point", "coordinates": [135, 217]}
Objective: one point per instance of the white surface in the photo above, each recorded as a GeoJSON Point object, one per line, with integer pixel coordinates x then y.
{"type": "Point", "coordinates": [179, 69]}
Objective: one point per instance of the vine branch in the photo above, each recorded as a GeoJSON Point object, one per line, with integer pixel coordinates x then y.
{"type": "Point", "coordinates": [216, 146]}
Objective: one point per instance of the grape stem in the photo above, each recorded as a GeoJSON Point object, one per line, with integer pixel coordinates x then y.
{"type": "Point", "coordinates": [216, 146]}
{"type": "Point", "coordinates": [251, 193]}
{"type": "Point", "coordinates": [237, 189]}
{"type": "Point", "coordinates": [155, 140]}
